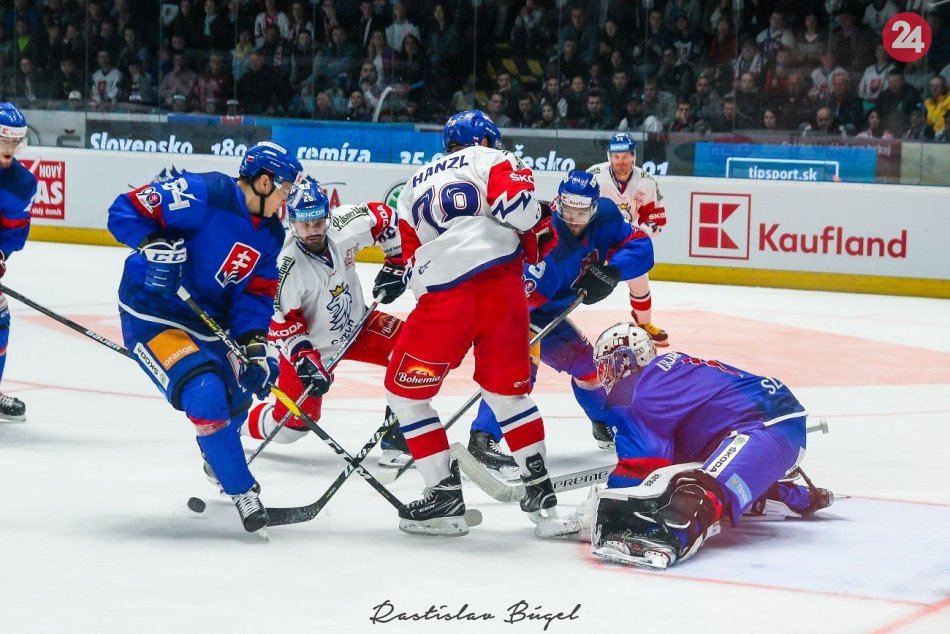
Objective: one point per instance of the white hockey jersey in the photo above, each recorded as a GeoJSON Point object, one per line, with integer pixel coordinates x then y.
{"type": "Point", "coordinates": [319, 299]}
{"type": "Point", "coordinates": [639, 199]}
{"type": "Point", "coordinates": [458, 215]}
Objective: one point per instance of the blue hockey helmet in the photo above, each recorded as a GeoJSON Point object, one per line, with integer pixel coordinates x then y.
{"type": "Point", "coordinates": [274, 160]}
{"type": "Point", "coordinates": [622, 350]}
{"type": "Point", "coordinates": [621, 142]}
{"type": "Point", "coordinates": [308, 201]}
{"type": "Point", "coordinates": [577, 197]}
{"type": "Point", "coordinates": [469, 128]}
{"type": "Point", "coordinates": [12, 122]}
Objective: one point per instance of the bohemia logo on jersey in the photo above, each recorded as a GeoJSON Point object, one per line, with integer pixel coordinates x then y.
{"type": "Point", "coordinates": [719, 225]}
{"type": "Point", "coordinates": [414, 373]}
{"type": "Point", "coordinates": [238, 265]}
{"type": "Point", "coordinates": [50, 199]}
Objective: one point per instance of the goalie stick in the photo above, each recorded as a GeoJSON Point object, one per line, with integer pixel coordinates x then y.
{"type": "Point", "coordinates": [498, 490]}
{"type": "Point", "coordinates": [236, 350]}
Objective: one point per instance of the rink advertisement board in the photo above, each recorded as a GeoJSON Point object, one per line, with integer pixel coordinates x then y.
{"type": "Point", "coordinates": [173, 138]}
{"type": "Point", "coordinates": [50, 200]}
{"type": "Point", "coordinates": [358, 142]}
{"type": "Point", "coordinates": [715, 224]}
{"type": "Point", "coordinates": [801, 163]}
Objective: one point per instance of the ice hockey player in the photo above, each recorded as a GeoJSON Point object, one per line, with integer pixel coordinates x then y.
{"type": "Point", "coordinates": [637, 193]}
{"type": "Point", "coordinates": [596, 248]}
{"type": "Point", "coordinates": [17, 188]}
{"type": "Point", "coordinates": [468, 222]}
{"type": "Point", "coordinates": [219, 237]}
{"type": "Point", "coordinates": [319, 301]}
{"type": "Point", "coordinates": [696, 439]}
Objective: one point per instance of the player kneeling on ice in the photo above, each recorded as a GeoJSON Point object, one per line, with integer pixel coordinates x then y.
{"type": "Point", "coordinates": [696, 439]}
{"type": "Point", "coordinates": [596, 248]}
{"type": "Point", "coordinates": [218, 238]}
{"type": "Point", "coordinates": [319, 302]}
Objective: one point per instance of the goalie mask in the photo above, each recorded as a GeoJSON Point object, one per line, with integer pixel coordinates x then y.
{"type": "Point", "coordinates": [620, 351]}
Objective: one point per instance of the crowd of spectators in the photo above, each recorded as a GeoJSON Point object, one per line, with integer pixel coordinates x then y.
{"type": "Point", "coordinates": [810, 67]}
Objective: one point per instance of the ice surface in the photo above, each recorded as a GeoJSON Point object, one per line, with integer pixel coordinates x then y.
{"type": "Point", "coordinates": [95, 535]}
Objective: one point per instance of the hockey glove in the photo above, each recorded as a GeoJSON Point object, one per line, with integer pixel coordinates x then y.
{"type": "Point", "coordinates": [390, 281]}
{"type": "Point", "coordinates": [598, 279]}
{"type": "Point", "coordinates": [540, 239]}
{"type": "Point", "coordinates": [651, 228]}
{"type": "Point", "coordinates": [165, 261]}
{"type": "Point", "coordinates": [311, 372]}
{"type": "Point", "coordinates": [260, 372]}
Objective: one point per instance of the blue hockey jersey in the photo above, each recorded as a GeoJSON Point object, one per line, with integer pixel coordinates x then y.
{"type": "Point", "coordinates": [679, 408]}
{"type": "Point", "coordinates": [17, 188]}
{"type": "Point", "coordinates": [231, 269]}
{"type": "Point", "coordinates": [608, 235]}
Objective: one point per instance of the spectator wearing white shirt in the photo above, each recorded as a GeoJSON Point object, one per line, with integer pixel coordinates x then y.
{"type": "Point", "coordinates": [875, 75]}
{"type": "Point", "coordinates": [878, 13]}
{"type": "Point", "coordinates": [400, 28]}
{"type": "Point", "coordinates": [107, 81]}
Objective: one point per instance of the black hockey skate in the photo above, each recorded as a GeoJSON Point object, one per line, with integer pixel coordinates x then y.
{"type": "Point", "coordinates": [12, 409]}
{"type": "Point", "coordinates": [770, 507]}
{"type": "Point", "coordinates": [484, 448]}
{"type": "Point", "coordinates": [251, 509]}
{"type": "Point", "coordinates": [440, 511]}
{"type": "Point", "coordinates": [538, 492]}
{"type": "Point", "coordinates": [602, 434]}
{"type": "Point", "coordinates": [395, 450]}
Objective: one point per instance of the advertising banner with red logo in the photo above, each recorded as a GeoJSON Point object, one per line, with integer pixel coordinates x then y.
{"type": "Point", "coordinates": [50, 199]}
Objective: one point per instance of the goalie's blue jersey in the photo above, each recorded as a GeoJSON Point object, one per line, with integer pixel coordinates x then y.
{"type": "Point", "coordinates": [231, 270]}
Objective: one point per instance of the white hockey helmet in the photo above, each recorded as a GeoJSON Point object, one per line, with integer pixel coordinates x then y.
{"type": "Point", "coordinates": [622, 350]}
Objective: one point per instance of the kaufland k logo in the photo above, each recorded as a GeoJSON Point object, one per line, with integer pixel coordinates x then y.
{"type": "Point", "coordinates": [238, 265]}
{"type": "Point", "coordinates": [720, 225]}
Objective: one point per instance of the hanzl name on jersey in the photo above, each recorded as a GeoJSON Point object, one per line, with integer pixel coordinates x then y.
{"type": "Point", "coordinates": [238, 265]}
{"type": "Point", "coordinates": [449, 162]}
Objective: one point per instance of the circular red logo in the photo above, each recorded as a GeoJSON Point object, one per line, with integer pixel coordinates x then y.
{"type": "Point", "coordinates": [907, 37]}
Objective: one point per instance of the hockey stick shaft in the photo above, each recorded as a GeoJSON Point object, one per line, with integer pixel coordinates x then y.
{"type": "Point", "coordinates": [286, 400]}
{"type": "Point", "coordinates": [474, 397]}
{"type": "Point", "coordinates": [334, 359]}
{"type": "Point", "coordinates": [65, 321]}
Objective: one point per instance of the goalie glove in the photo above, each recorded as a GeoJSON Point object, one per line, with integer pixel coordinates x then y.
{"type": "Point", "coordinates": [165, 262]}
{"type": "Point", "coordinates": [540, 239]}
{"type": "Point", "coordinates": [390, 281]}
{"type": "Point", "coordinates": [260, 372]}
{"type": "Point", "coordinates": [598, 280]}
{"type": "Point", "coordinates": [313, 376]}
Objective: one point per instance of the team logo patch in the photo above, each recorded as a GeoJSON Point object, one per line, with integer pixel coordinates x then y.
{"type": "Point", "coordinates": [383, 324]}
{"type": "Point", "coordinates": [238, 265]}
{"type": "Point", "coordinates": [147, 200]}
{"type": "Point", "coordinates": [529, 285]}
{"type": "Point", "coordinates": [413, 373]}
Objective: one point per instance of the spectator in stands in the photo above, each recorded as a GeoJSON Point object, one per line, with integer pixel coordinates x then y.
{"type": "Point", "coordinates": [25, 42]}
{"type": "Point", "coordinates": [595, 118]}
{"type": "Point", "coordinates": [443, 45]}
{"type": "Point", "coordinates": [74, 43]}
{"type": "Point", "coordinates": [551, 94]}
{"type": "Point", "coordinates": [258, 89]}
{"type": "Point", "coordinates": [683, 121]}
{"type": "Point", "coordinates": [411, 66]}
{"type": "Point", "coordinates": [301, 60]}
{"type": "Point", "coordinates": [576, 98]}
{"type": "Point", "coordinates": [337, 63]}
{"type": "Point", "coordinates": [381, 54]}
{"type": "Point", "coordinates": [464, 97]}
{"type": "Point", "coordinates": [271, 15]}
{"type": "Point", "coordinates": [658, 103]}
{"type": "Point", "coordinates": [821, 76]}
{"type": "Point", "coordinates": [364, 27]}
{"type": "Point", "coordinates": [218, 30]}
{"type": "Point", "coordinates": [596, 78]}
{"type": "Point", "coordinates": [568, 64]}
{"type": "Point", "coordinates": [241, 54]}
{"type": "Point", "coordinates": [636, 120]}
{"type": "Point", "coordinates": [189, 24]}
{"type": "Point", "coordinates": [132, 48]}
{"type": "Point", "coordinates": [770, 121]}
{"type": "Point", "coordinates": [875, 75]}
{"type": "Point", "coordinates": [215, 84]}
{"type": "Point", "coordinates": [509, 92]}
{"type": "Point", "coordinates": [181, 81]}
{"type": "Point", "coordinates": [54, 49]}
{"type": "Point", "coordinates": [324, 108]}
{"type": "Point", "coordinates": [692, 9]}
{"type": "Point", "coordinates": [844, 104]}
{"type": "Point", "coordinates": [688, 44]}
{"type": "Point", "coordinates": [276, 51]}
{"type": "Point", "coordinates": [109, 39]}
{"type": "Point", "coordinates": [775, 74]}
{"type": "Point", "coordinates": [944, 135]}
{"type": "Point", "coordinates": [722, 46]}
{"type": "Point", "coordinates": [852, 43]}
{"type": "Point", "coordinates": [919, 129]}
{"type": "Point", "coordinates": [877, 14]}
{"type": "Point", "coordinates": [811, 42]}
{"type": "Point", "coordinates": [370, 84]}
{"type": "Point", "coordinates": [525, 116]}
{"type": "Point", "coordinates": [775, 37]}
{"type": "Point", "coordinates": [496, 110]}
{"type": "Point", "coordinates": [658, 39]}
{"type": "Point", "coordinates": [749, 102]}
{"type": "Point", "coordinates": [400, 27]}
{"type": "Point", "coordinates": [93, 24]}
{"type": "Point", "coordinates": [617, 93]}
{"type": "Point", "coordinates": [300, 19]}
{"type": "Point", "coordinates": [530, 35]}
{"type": "Point", "coordinates": [938, 103]}
{"type": "Point", "coordinates": [66, 80]}
{"type": "Point", "coordinates": [356, 109]}
{"type": "Point", "coordinates": [705, 102]}
{"type": "Point", "coordinates": [106, 81]}
{"type": "Point", "coordinates": [29, 84]}
{"type": "Point", "coordinates": [794, 108]}
{"type": "Point", "coordinates": [894, 102]}
{"type": "Point", "coordinates": [674, 77]}
{"type": "Point", "coordinates": [611, 39]}
{"type": "Point", "coordinates": [727, 122]}
{"type": "Point", "coordinates": [873, 128]}
{"type": "Point", "coordinates": [582, 32]}
{"type": "Point", "coordinates": [140, 83]}
{"type": "Point", "coordinates": [749, 61]}
{"type": "Point", "coordinates": [825, 125]}
{"type": "Point", "coordinates": [549, 119]}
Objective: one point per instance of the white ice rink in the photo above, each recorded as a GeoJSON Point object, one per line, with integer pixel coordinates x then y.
{"type": "Point", "coordinates": [95, 536]}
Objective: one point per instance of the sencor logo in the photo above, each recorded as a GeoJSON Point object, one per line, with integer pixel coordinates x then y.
{"type": "Point", "coordinates": [720, 225]}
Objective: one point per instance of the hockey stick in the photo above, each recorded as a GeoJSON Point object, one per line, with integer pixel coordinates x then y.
{"type": "Point", "coordinates": [474, 397]}
{"type": "Point", "coordinates": [498, 490]}
{"type": "Point", "coordinates": [236, 350]}
{"type": "Point", "coordinates": [334, 359]}
{"type": "Point", "coordinates": [66, 322]}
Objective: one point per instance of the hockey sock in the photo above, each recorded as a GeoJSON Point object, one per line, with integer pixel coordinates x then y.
{"type": "Point", "coordinates": [261, 423]}
{"type": "Point", "coordinates": [642, 308]}
{"type": "Point", "coordinates": [425, 436]}
{"type": "Point", "coordinates": [485, 421]}
{"type": "Point", "coordinates": [521, 424]}
{"type": "Point", "coordinates": [224, 453]}
{"type": "Point", "coordinates": [592, 400]}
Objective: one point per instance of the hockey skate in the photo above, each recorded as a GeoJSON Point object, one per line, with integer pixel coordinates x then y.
{"type": "Point", "coordinates": [602, 434]}
{"type": "Point", "coordinates": [636, 550]}
{"type": "Point", "coordinates": [12, 409]}
{"type": "Point", "coordinates": [395, 450]}
{"type": "Point", "coordinates": [772, 506]}
{"type": "Point", "coordinates": [659, 336]}
{"type": "Point", "coordinates": [484, 448]}
{"type": "Point", "coordinates": [251, 509]}
{"type": "Point", "coordinates": [539, 501]}
{"type": "Point", "coordinates": [440, 511]}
